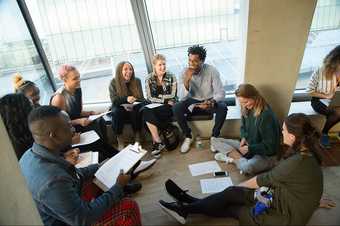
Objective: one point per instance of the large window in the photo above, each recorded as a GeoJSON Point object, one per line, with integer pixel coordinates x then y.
{"type": "Point", "coordinates": [324, 35]}
{"type": "Point", "coordinates": [93, 35]}
{"type": "Point", "coordinates": [18, 53]}
{"type": "Point", "coordinates": [216, 24]}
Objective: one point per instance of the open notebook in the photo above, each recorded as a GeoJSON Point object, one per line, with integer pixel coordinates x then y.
{"type": "Point", "coordinates": [107, 174]}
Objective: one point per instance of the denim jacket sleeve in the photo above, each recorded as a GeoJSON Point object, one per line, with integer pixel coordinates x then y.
{"type": "Point", "coordinates": [62, 197]}
{"type": "Point", "coordinates": [88, 172]}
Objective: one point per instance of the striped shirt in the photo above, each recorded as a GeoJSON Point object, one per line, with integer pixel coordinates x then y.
{"type": "Point", "coordinates": [319, 84]}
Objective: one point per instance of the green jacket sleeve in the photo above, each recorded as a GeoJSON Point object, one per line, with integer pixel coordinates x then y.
{"type": "Point", "coordinates": [115, 99]}
{"type": "Point", "coordinates": [243, 128]}
{"type": "Point", "coordinates": [269, 133]}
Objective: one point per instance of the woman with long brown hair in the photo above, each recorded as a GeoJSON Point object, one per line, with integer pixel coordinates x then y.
{"type": "Point", "coordinates": [288, 194]}
{"type": "Point", "coordinates": [322, 86]}
{"type": "Point", "coordinates": [125, 91]}
{"type": "Point", "coordinates": [260, 133]}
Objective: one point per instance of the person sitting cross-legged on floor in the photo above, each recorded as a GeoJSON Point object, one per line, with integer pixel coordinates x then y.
{"type": "Point", "coordinates": [260, 133]}
{"type": "Point", "coordinates": [204, 90]}
{"type": "Point", "coordinates": [290, 192]}
{"type": "Point", "coordinates": [56, 189]}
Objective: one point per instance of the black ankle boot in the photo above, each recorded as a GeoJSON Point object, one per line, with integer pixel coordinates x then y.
{"type": "Point", "coordinates": [177, 193]}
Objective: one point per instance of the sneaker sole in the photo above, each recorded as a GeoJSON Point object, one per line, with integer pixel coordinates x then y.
{"type": "Point", "coordinates": [173, 214]}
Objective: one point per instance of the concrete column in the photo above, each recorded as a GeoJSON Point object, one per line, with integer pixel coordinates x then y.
{"type": "Point", "coordinates": [277, 35]}
{"type": "Point", "coordinates": [16, 204]}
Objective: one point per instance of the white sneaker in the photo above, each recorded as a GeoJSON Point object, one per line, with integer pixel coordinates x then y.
{"type": "Point", "coordinates": [213, 140]}
{"type": "Point", "coordinates": [186, 145]}
{"type": "Point", "coordinates": [144, 165]}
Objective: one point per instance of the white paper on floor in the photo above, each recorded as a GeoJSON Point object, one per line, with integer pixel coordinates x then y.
{"type": "Point", "coordinates": [214, 185]}
{"type": "Point", "coordinates": [204, 168]}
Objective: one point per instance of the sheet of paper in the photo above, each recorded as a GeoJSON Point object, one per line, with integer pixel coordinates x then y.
{"type": "Point", "coordinates": [88, 137]}
{"type": "Point", "coordinates": [154, 105]}
{"type": "Point", "coordinates": [107, 174]}
{"type": "Point", "coordinates": [87, 158]}
{"type": "Point", "coordinates": [136, 103]}
{"type": "Point", "coordinates": [204, 168]}
{"type": "Point", "coordinates": [94, 117]}
{"type": "Point", "coordinates": [214, 185]}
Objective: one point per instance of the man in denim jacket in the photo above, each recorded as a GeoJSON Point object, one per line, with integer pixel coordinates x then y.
{"type": "Point", "coordinates": [56, 184]}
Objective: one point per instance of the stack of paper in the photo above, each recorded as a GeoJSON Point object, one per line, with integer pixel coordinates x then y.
{"type": "Point", "coordinates": [87, 158]}
{"type": "Point", "coordinates": [107, 174]}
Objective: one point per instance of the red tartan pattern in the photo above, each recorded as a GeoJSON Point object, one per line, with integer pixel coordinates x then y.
{"type": "Point", "coordinates": [124, 213]}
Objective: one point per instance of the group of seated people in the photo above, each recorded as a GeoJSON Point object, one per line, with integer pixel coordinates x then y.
{"type": "Point", "coordinates": [42, 137]}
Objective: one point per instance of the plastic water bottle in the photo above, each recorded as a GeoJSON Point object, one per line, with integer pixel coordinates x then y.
{"type": "Point", "coordinates": [199, 143]}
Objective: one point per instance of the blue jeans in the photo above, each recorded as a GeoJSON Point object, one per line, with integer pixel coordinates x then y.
{"type": "Point", "coordinates": [181, 109]}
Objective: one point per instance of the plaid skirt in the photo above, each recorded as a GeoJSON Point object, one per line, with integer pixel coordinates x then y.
{"type": "Point", "coordinates": [124, 213]}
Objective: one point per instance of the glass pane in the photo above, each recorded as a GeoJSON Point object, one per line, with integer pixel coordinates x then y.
{"type": "Point", "coordinates": [93, 35]}
{"type": "Point", "coordinates": [324, 35]}
{"type": "Point", "coordinates": [18, 53]}
{"type": "Point", "coordinates": [177, 24]}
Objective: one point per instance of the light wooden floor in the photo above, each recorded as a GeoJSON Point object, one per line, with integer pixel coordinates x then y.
{"type": "Point", "coordinates": [174, 165]}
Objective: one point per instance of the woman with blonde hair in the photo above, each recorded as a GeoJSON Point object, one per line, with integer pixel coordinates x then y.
{"type": "Point", "coordinates": [161, 87]}
{"type": "Point", "coordinates": [28, 88]}
{"type": "Point", "coordinates": [322, 86]}
{"type": "Point", "coordinates": [125, 91]}
{"type": "Point", "coordinates": [260, 133]}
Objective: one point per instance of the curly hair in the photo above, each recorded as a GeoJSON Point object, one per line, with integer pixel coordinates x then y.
{"type": "Point", "coordinates": [331, 62]}
{"type": "Point", "coordinates": [14, 110]}
{"type": "Point", "coordinates": [198, 50]}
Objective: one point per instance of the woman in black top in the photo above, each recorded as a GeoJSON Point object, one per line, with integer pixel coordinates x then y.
{"type": "Point", "coordinates": [125, 92]}
{"type": "Point", "coordinates": [293, 188]}
{"type": "Point", "coordinates": [161, 87]}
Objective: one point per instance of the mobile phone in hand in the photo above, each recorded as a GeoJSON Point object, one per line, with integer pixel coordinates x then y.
{"type": "Point", "coordinates": [221, 174]}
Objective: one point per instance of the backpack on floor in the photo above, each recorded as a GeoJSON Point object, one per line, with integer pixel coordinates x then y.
{"type": "Point", "coordinates": [170, 136]}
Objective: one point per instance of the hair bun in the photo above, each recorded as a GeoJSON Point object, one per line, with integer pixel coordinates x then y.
{"type": "Point", "coordinates": [18, 81]}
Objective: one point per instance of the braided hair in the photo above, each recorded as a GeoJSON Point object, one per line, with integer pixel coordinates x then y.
{"type": "Point", "coordinates": [306, 136]}
{"type": "Point", "coordinates": [14, 110]}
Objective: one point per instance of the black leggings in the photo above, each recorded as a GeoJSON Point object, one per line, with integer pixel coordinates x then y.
{"type": "Point", "coordinates": [120, 116]}
{"type": "Point", "coordinates": [332, 114]}
{"type": "Point", "coordinates": [227, 203]}
{"type": "Point", "coordinates": [159, 116]}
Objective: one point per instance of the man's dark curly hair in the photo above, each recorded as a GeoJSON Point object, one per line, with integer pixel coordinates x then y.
{"type": "Point", "coordinates": [198, 50]}
{"type": "Point", "coordinates": [14, 110]}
